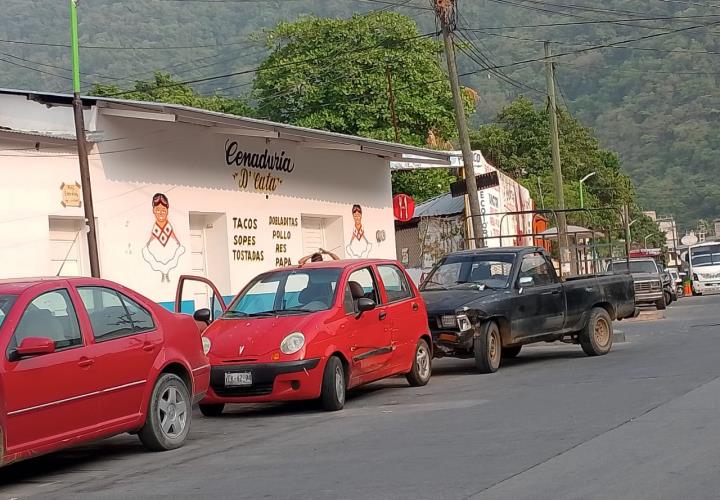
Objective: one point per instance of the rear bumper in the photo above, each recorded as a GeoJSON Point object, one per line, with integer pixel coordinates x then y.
{"type": "Point", "coordinates": [284, 381]}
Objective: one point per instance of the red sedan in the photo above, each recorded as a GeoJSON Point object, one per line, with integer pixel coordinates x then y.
{"type": "Point", "coordinates": [313, 332]}
{"type": "Point", "coordinates": [85, 359]}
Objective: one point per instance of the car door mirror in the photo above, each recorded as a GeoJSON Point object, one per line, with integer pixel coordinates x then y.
{"type": "Point", "coordinates": [365, 305]}
{"type": "Point", "coordinates": [35, 346]}
{"type": "Point", "coordinates": [525, 282]}
{"type": "Point", "coordinates": [203, 315]}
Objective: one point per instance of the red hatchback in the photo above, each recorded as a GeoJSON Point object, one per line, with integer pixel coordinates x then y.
{"type": "Point", "coordinates": [315, 331]}
{"type": "Point", "coordinates": [85, 358]}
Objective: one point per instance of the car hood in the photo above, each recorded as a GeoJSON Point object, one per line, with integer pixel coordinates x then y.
{"type": "Point", "coordinates": [448, 301]}
{"type": "Point", "coordinates": [244, 338]}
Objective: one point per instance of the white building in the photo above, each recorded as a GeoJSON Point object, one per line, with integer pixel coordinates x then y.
{"type": "Point", "coordinates": [243, 195]}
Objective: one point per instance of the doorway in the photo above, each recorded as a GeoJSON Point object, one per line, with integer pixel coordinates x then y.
{"type": "Point", "coordinates": [68, 247]}
{"type": "Point", "coordinates": [209, 257]}
{"type": "Point", "coordinates": [322, 232]}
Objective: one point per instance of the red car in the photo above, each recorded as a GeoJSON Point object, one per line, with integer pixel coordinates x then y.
{"type": "Point", "coordinates": [313, 332]}
{"type": "Point", "coordinates": [85, 359]}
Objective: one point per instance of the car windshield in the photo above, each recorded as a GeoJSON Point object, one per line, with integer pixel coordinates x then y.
{"type": "Point", "coordinates": [287, 292]}
{"type": "Point", "coordinates": [6, 302]}
{"type": "Point", "coordinates": [706, 256]}
{"type": "Point", "coordinates": [636, 267]}
{"type": "Point", "coordinates": [471, 270]}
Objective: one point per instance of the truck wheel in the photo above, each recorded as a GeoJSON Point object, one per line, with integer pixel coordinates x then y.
{"type": "Point", "coordinates": [597, 336]}
{"type": "Point", "coordinates": [168, 415]}
{"type": "Point", "coordinates": [332, 394]}
{"type": "Point", "coordinates": [511, 352]}
{"type": "Point", "coordinates": [660, 304]}
{"type": "Point", "coordinates": [421, 370]}
{"type": "Point", "coordinates": [488, 348]}
{"type": "Point", "coordinates": [668, 297]}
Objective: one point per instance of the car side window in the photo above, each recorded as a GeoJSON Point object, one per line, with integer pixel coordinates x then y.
{"type": "Point", "coordinates": [396, 286]}
{"type": "Point", "coordinates": [536, 267]}
{"type": "Point", "coordinates": [361, 284]}
{"type": "Point", "coordinates": [50, 315]}
{"type": "Point", "coordinates": [113, 314]}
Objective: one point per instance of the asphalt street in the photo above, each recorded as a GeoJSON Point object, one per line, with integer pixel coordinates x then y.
{"type": "Point", "coordinates": [642, 422]}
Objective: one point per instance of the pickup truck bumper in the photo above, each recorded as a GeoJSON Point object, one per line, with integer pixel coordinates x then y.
{"type": "Point", "coordinates": [648, 297]}
{"type": "Point", "coordinates": [447, 342]}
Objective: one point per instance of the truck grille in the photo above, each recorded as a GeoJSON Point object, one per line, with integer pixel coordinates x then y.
{"type": "Point", "coordinates": [647, 286]}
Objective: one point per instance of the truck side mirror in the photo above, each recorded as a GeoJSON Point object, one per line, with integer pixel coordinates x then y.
{"type": "Point", "coordinates": [525, 282]}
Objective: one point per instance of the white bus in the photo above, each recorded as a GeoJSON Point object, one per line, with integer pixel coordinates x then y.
{"type": "Point", "coordinates": [704, 265]}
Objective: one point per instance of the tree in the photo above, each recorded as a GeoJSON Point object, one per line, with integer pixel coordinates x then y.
{"type": "Point", "coordinates": [165, 89]}
{"type": "Point", "coordinates": [332, 74]}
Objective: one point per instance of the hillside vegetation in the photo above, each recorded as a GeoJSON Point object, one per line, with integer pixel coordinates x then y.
{"type": "Point", "coordinates": [654, 99]}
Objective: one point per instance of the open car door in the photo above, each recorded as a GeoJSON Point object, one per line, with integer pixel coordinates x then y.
{"type": "Point", "coordinates": [200, 297]}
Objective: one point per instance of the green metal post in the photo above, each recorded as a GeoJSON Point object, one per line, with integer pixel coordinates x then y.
{"type": "Point", "coordinates": [582, 202]}
{"type": "Point", "coordinates": [75, 46]}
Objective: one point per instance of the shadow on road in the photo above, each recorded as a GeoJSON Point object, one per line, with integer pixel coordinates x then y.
{"type": "Point", "coordinates": [449, 366]}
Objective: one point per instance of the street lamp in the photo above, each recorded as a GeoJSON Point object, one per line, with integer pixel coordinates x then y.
{"type": "Point", "coordinates": [582, 200]}
{"type": "Point", "coordinates": [646, 238]}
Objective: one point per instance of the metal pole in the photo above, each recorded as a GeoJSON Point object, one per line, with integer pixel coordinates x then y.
{"type": "Point", "coordinates": [82, 146]}
{"type": "Point", "coordinates": [468, 164]}
{"type": "Point", "coordinates": [557, 168]}
{"type": "Point", "coordinates": [391, 102]}
{"type": "Point", "coordinates": [626, 210]}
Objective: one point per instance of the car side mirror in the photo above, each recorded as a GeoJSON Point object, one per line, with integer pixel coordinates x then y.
{"type": "Point", "coordinates": [526, 281]}
{"type": "Point", "coordinates": [35, 346]}
{"type": "Point", "coordinates": [203, 315]}
{"type": "Point", "coordinates": [364, 305]}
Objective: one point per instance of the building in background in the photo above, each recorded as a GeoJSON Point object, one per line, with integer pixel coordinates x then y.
{"type": "Point", "coordinates": [180, 191]}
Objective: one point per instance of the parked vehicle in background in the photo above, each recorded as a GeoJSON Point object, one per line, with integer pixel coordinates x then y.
{"type": "Point", "coordinates": [647, 280]}
{"type": "Point", "coordinates": [486, 304]}
{"type": "Point", "coordinates": [85, 359]}
{"type": "Point", "coordinates": [676, 281]}
{"type": "Point", "coordinates": [704, 265]}
{"type": "Point", "coordinates": [315, 331]}
{"type": "Point", "coordinates": [669, 290]}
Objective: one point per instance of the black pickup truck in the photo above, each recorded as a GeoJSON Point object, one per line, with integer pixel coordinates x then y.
{"type": "Point", "coordinates": [488, 303]}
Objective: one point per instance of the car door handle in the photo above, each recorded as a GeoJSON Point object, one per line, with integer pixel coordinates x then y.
{"type": "Point", "coordinates": [382, 315]}
{"type": "Point", "coordinates": [415, 307]}
{"type": "Point", "coordinates": [85, 362]}
{"type": "Point", "coordinates": [589, 289]}
{"type": "Point", "coordinates": [147, 346]}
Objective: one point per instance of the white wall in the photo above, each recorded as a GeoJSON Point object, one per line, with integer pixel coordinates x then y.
{"type": "Point", "coordinates": [139, 158]}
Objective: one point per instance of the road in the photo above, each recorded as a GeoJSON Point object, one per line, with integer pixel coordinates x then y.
{"type": "Point", "coordinates": [642, 422]}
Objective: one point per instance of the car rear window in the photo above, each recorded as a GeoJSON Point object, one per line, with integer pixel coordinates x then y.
{"type": "Point", "coordinates": [6, 303]}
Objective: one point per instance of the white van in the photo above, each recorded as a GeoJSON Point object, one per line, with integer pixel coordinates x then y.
{"type": "Point", "coordinates": [704, 263]}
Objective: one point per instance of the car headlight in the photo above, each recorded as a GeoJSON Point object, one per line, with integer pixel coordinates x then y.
{"type": "Point", "coordinates": [448, 321]}
{"type": "Point", "coordinates": [463, 323]}
{"type": "Point", "coordinates": [292, 343]}
{"type": "Point", "coordinates": [206, 343]}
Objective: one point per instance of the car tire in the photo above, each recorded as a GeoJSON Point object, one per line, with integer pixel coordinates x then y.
{"type": "Point", "coordinates": [597, 337]}
{"type": "Point", "coordinates": [668, 298]}
{"type": "Point", "coordinates": [213, 410]}
{"type": "Point", "coordinates": [421, 370]}
{"type": "Point", "coordinates": [169, 414]}
{"type": "Point", "coordinates": [511, 352]}
{"type": "Point", "coordinates": [334, 385]}
{"type": "Point", "coordinates": [487, 347]}
{"type": "Point", "coordinates": [660, 304]}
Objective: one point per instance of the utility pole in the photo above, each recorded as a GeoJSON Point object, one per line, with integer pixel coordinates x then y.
{"type": "Point", "coordinates": [391, 104]}
{"type": "Point", "coordinates": [445, 10]}
{"type": "Point", "coordinates": [82, 145]}
{"type": "Point", "coordinates": [557, 167]}
{"type": "Point", "coordinates": [628, 236]}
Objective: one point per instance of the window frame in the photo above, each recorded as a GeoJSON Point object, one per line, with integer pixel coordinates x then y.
{"type": "Point", "coordinates": [403, 278]}
{"type": "Point", "coordinates": [121, 297]}
{"type": "Point", "coordinates": [10, 351]}
{"type": "Point", "coordinates": [549, 268]}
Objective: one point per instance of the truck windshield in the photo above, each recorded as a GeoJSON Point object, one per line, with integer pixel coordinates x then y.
{"type": "Point", "coordinates": [636, 267]}
{"type": "Point", "coordinates": [706, 256]}
{"type": "Point", "coordinates": [286, 292]}
{"type": "Point", "coordinates": [6, 302]}
{"type": "Point", "coordinates": [457, 271]}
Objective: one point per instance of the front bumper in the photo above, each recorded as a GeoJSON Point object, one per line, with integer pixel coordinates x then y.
{"type": "Point", "coordinates": [281, 381]}
{"type": "Point", "coordinates": [706, 286]}
{"type": "Point", "coordinates": [448, 341]}
{"type": "Point", "coordinates": [648, 297]}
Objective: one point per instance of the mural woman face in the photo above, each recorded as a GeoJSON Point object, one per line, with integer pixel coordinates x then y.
{"type": "Point", "coordinates": [161, 214]}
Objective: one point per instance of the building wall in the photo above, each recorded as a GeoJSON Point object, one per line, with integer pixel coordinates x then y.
{"type": "Point", "coordinates": [246, 230]}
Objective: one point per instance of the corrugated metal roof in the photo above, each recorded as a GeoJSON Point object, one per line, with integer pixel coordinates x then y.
{"type": "Point", "coordinates": [213, 118]}
{"type": "Point", "coordinates": [443, 205]}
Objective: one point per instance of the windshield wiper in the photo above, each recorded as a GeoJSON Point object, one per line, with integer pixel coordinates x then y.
{"type": "Point", "coordinates": [234, 314]}
{"type": "Point", "coordinates": [434, 283]}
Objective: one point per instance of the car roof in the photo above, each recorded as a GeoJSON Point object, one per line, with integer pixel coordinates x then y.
{"type": "Point", "coordinates": [513, 250]}
{"type": "Point", "coordinates": [19, 285]}
{"type": "Point", "coordinates": [336, 264]}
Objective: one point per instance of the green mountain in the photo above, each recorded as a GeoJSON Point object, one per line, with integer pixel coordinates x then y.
{"type": "Point", "coordinates": [651, 92]}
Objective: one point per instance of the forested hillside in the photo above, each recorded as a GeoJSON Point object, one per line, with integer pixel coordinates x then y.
{"type": "Point", "coordinates": [651, 92]}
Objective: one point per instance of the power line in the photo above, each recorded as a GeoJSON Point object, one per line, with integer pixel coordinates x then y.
{"type": "Point", "coordinates": [596, 21]}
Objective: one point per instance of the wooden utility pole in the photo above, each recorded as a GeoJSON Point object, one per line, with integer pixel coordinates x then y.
{"type": "Point", "coordinates": [557, 167]}
{"type": "Point", "coordinates": [446, 14]}
{"type": "Point", "coordinates": [391, 104]}
{"type": "Point", "coordinates": [82, 146]}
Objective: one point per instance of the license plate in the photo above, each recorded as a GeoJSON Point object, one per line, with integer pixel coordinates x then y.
{"type": "Point", "coordinates": [238, 378]}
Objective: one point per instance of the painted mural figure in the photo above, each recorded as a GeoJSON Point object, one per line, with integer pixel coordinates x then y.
{"type": "Point", "coordinates": [163, 250]}
{"type": "Point", "coordinates": [359, 246]}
